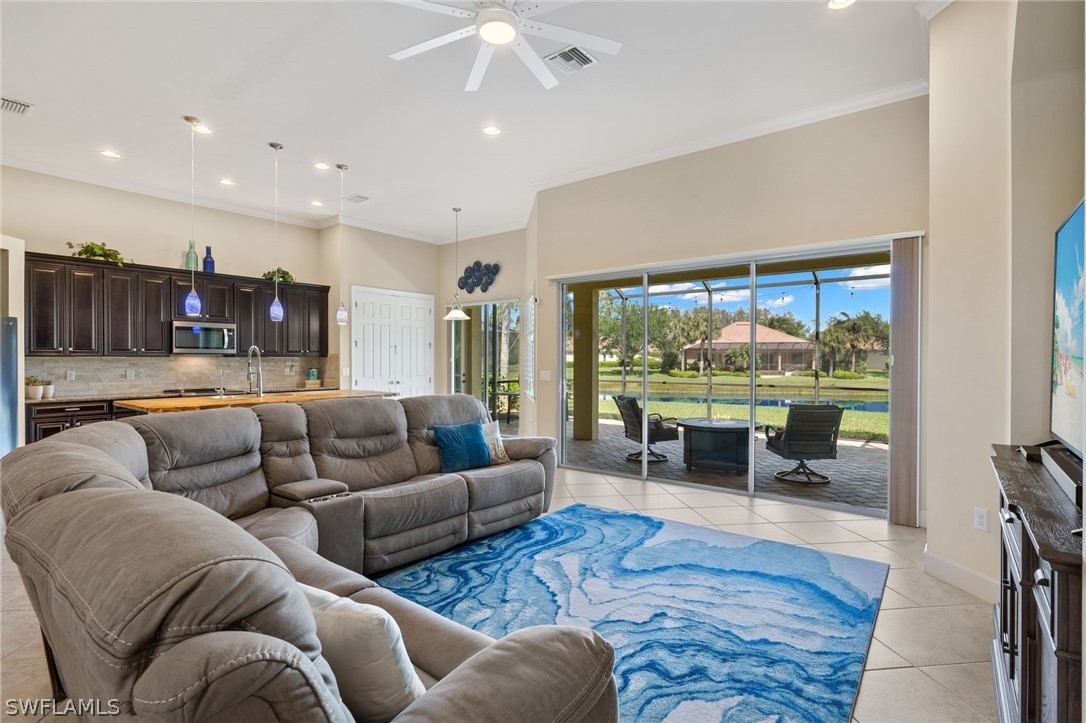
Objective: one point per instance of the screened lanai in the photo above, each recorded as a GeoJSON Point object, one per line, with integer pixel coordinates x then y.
{"type": "Point", "coordinates": [711, 387]}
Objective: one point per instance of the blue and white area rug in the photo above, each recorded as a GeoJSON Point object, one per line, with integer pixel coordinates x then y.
{"type": "Point", "coordinates": [706, 625]}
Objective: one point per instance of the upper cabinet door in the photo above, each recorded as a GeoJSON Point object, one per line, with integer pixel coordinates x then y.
{"type": "Point", "coordinates": [45, 308]}
{"type": "Point", "coordinates": [218, 298]}
{"type": "Point", "coordinates": [271, 343]}
{"type": "Point", "coordinates": [121, 313]}
{"type": "Point", "coordinates": [154, 315]}
{"type": "Point", "coordinates": [294, 321]}
{"type": "Point", "coordinates": [316, 317]}
{"type": "Point", "coordinates": [250, 325]}
{"type": "Point", "coordinates": [84, 311]}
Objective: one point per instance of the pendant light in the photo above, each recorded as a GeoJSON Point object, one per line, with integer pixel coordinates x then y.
{"type": "Point", "coordinates": [456, 313]}
{"type": "Point", "coordinates": [275, 313]}
{"type": "Point", "coordinates": [341, 312]}
{"type": "Point", "coordinates": [193, 306]}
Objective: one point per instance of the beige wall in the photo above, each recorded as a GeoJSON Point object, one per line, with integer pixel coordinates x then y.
{"type": "Point", "coordinates": [967, 288]}
{"type": "Point", "coordinates": [1046, 184]}
{"type": "Point", "coordinates": [863, 174]}
{"type": "Point", "coordinates": [46, 211]}
{"type": "Point", "coordinates": [508, 249]}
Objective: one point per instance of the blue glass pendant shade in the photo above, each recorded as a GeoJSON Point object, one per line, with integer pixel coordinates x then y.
{"type": "Point", "coordinates": [276, 311]}
{"type": "Point", "coordinates": [192, 303]}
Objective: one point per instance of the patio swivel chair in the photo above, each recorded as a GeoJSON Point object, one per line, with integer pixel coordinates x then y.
{"type": "Point", "coordinates": [810, 432]}
{"type": "Point", "coordinates": [659, 428]}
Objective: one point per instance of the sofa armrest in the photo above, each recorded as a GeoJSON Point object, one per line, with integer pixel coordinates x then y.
{"type": "Point", "coordinates": [339, 526]}
{"type": "Point", "coordinates": [309, 488]}
{"type": "Point", "coordinates": [527, 447]}
{"type": "Point", "coordinates": [310, 568]}
{"type": "Point", "coordinates": [544, 673]}
{"type": "Point", "coordinates": [235, 675]}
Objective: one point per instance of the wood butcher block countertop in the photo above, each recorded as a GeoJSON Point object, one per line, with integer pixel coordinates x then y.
{"type": "Point", "coordinates": [188, 404]}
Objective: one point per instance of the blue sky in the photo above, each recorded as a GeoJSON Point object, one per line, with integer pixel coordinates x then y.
{"type": "Point", "coordinates": [852, 296]}
{"type": "Point", "coordinates": [1069, 284]}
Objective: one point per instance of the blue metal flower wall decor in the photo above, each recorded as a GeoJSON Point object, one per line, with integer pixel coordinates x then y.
{"type": "Point", "coordinates": [478, 276]}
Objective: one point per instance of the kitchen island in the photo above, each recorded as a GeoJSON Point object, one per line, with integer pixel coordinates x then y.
{"type": "Point", "coordinates": [188, 404]}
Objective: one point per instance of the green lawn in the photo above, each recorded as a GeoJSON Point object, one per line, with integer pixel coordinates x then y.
{"type": "Point", "coordinates": [854, 425]}
{"type": "Point", "coordinates": [875, 381]}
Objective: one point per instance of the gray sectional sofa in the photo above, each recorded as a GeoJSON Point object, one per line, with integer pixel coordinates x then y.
{"type": "Point", "coordinates": [161, 555]}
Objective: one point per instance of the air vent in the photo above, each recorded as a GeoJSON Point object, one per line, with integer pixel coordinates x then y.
{"type": "Point", "coordinates": [15, 106]}
{"type": "Point", "coordinates": [356, 198]}
{"type": "Point", "coordinates": [571, 59]}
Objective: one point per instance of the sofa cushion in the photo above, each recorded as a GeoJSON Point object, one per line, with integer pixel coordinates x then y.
{"type": "Point", "coordinates": [491, 486]}
{"type": "Point", "coordinates": [461, 446]}
{"type": "Point", "coordinates": [310, 568]}
{"type": "Point", "coordinates": [32, 474]}
{"type": "Point", "coordinates": [284, 444]}
{"type": "Point", "coordinates": [296, 523]}
{"type": "Point", "coordinates": [412, 504]}
{"type": "Point", "coordinates": [365, 650]}
{"type": "Point", "coordinates": [492, 433]}
{"type": "Point", "coordinates": [181, 571]}
{"type": "Point", "coordinates": [424, 413]}
{"type": "Point", "coordinates": [210, 456]}
{"type": "Point", "coordinates": [116, 439]}
{"type": "Point", "coordinates": [362, 442]}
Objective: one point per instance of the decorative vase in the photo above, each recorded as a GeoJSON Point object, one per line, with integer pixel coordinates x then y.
{"type": "Point", "coordinates": [47, 391]}
{"type": "Point", "coordinates": [209, 262]}
{"type": "Point", "coordinates": [34, 391]}
{"type": "Point", "coordinates": [192, 261]}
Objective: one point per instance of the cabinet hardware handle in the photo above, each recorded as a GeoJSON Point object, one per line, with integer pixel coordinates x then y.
{"type": "Point", "coordinates": [71, 349]}
{"type": "Point", "coordinates": [71, 409]}
{"type": "Point", "coordinates": [133, 348]}
{"type": "Point", "coordinates": [143, 350]}
{"type": "Point", "coordinates": [78, 424]}
{"type": "Point", "coordinates": [66, 425]}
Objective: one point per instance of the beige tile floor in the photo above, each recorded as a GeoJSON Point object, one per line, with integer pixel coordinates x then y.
{"type": "Point", "coordinates": [928, 661]}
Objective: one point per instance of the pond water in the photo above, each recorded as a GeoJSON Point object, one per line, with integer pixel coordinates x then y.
{"type": "Point", "coordinates": [853, 405]}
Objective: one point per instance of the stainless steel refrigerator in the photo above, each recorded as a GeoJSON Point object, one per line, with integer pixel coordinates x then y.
{"type": "Point", "coordinates": [9, 383]}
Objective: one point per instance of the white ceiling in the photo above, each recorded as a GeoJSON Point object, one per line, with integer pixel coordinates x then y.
{"type": "Point", "coordinates": [317, 78]}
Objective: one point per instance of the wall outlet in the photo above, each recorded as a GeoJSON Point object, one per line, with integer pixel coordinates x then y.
{"type": "Point", "coordinates": [70, 376]}
{"type": "Point", "coordinates": [129, 373]}
{"type": "Point", "coordinates": [980, 519]}
{"type": "Point", "coordinates": [544, 375]}
{"type": "Point", "coordinates": [346, 371]}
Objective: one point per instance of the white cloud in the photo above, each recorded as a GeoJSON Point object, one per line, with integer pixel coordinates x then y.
{"type": "Point", "coordinates": [662, 288]}
{"type": "Point", "coordinates": [1067, 323]}
{"type": "Point", "coordinates": [862, 284]}
{"type": "Point", "coordinates": [781, 302]}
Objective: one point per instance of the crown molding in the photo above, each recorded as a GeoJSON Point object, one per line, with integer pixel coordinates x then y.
{"type": "Point", "coordinates": [49, 170]}
{"type": "Point", "coordinates": [877, 98]}
{"type": "Point", "coordinates": [379, 228]}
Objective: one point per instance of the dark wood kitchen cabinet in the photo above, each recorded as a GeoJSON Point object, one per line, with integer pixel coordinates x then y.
{"type": "Point", "coordinates": [137, 315]}
{"type": "Point", "coordinates": [305, 321]}
{"type": "Point", "coordinates": [63, 309]}
{"type": "Point", "coordinates": [216, 298]}
{"type": "Point", "coordinates": [1037, 649]}
{"type": "Point", "coordinates": [254, 323]}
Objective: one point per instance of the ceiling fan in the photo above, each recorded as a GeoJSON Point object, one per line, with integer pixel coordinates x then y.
{"type": "Point", "coordinates": [505, 22]}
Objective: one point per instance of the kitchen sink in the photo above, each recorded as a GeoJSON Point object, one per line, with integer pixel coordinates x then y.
{"type": "Point", "coordinates": [207, 392]}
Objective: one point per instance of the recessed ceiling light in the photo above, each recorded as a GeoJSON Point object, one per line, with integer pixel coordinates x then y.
{"type": "Point", "coordinates": [109, 154]}
{"type": "Point", "coordinates": [321, 166]}
{"type": "Point", "coordinates": [492, 130]}
{"type": "Point", "coordinates": [840, 4]}
{"type": "Point", "coordinates": [316, 203]}
{"type": "Point", "coordinates": [226, 181]}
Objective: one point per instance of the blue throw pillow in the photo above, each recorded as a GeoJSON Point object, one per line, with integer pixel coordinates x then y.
{"type": "Point", "coordinates": [462, 446]}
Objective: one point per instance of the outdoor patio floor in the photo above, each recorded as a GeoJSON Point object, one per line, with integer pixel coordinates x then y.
{"type": "Point", "coordinates": [859, 474]}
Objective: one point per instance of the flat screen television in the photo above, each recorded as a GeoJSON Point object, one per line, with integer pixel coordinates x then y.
{"type": "Point", "coordinates": [1067, 336]}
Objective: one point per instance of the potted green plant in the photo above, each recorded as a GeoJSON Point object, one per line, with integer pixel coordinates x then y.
{"type": "Point", "coordinates": [47, 388]}
{"type": "Point", "coordinates": [92, 250]}
{"type": "Point", "coordinates": [279, 274]}
{"type": "Point", "coordinates": [34, 387]}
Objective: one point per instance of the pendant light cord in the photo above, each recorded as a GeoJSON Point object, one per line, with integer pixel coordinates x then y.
{"type": "Point", "coordinates": [192, 197]}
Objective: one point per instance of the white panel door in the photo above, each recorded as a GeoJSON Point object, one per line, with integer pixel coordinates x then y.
{"type": "Point", "coordinates": [392, 342]}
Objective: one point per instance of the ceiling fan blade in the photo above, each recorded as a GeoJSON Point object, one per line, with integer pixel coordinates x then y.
{"type": "Point", "coordinates": [434, 43]}
{"type": "Point", "coordinates": [436, 8]}
{"type": "Point", "coordinates": [482, 60]}
{"type": "Point", "coordinates": [573, 37]}
{"type": "Point", "coordinates": [534, 63]}
{"type": "Point", "coordinates": [531, 9]}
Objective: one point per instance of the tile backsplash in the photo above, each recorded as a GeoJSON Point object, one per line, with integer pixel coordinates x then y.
{"type": "Point", "coordinates": [109, 375]}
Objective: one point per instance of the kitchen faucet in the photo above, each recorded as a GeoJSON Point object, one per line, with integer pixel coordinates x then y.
{"type": "Point", "coordinates": [222, 385]}
{"type": "Point", "coordinates": [259, 370]}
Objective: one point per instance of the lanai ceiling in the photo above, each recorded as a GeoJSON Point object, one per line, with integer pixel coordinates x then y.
{"type": "Point", "coordinates": [317, 78]}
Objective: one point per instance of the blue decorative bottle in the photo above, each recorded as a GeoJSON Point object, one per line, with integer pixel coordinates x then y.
{"type": "Point", "coordinates": [209, 263]}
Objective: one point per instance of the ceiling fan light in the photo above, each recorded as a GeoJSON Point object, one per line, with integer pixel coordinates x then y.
{"type": "Point", "coordinates": [839, 4]}
{"type": "Point", "coordinates": [497, 26]}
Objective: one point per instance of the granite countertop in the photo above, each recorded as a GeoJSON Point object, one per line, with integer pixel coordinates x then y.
{"type": "Point", "coordinates": [76, 398]}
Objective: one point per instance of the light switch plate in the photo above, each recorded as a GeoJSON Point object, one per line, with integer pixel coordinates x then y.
{"type": "Point", "coordinates": [70, 376]}
{"type": "Point", "coordinates": [346, 371]}
{"type": "Point", "coordinates": [129, 373]}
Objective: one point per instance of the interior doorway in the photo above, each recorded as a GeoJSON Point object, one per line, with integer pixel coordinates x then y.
{"type": "Point", "coordinates": [486, 360]}
{"type": "Point", "coordinates": [392, 335]}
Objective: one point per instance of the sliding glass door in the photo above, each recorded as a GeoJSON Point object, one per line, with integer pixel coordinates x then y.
{"type": "Point", "coordinates": [486, 360]}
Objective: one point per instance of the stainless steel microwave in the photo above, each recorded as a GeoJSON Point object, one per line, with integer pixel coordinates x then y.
{"type": "Point", "coordinates": [202, 337]}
